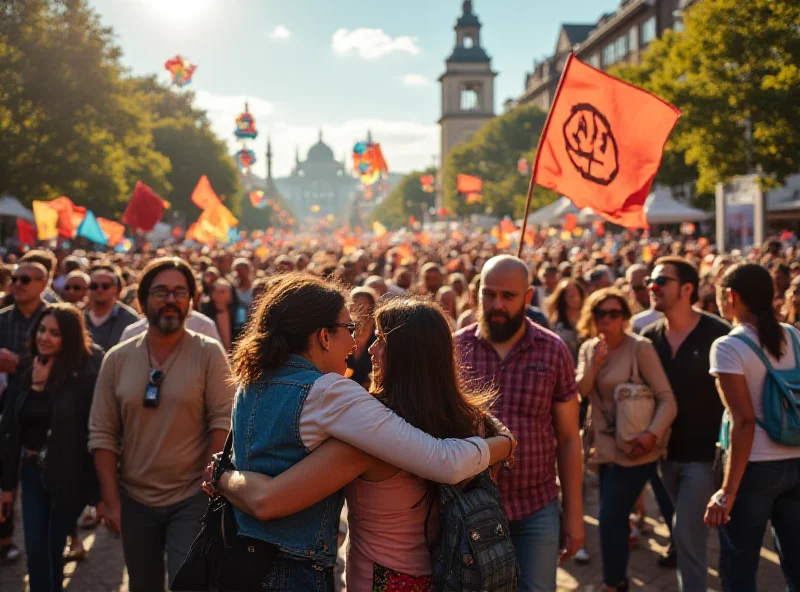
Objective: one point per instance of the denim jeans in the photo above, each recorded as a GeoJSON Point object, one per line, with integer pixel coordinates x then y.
{"type": "Point", "coordinates": [147, 532]}
{"type": "Point", "coordinates": [45, 531]}
{"type": "Point", "coordinates": [536, 539]}
{"type": "Point", "coordinates": [769, 491]}
{"type": "Point", "coordinates": [663, 500]}
{"type": "Point", "coordinates": [690, 485]}
{"type": "Point", "coordinates": [619, 489]}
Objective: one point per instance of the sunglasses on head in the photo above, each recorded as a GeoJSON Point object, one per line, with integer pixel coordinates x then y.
{"type": "Point", "coordinates": [100, 285]}
{"type": "Point", "coordinates": [613, 314]}
{"type": "Point", "coordinates": [659, 281]}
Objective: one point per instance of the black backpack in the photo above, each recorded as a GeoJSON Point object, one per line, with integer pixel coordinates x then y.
{"type": "Point", "coordinates": [474, 551]}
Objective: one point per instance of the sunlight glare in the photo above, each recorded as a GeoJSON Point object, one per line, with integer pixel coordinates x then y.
{"type": "Point", "coordinates": [179, 12]}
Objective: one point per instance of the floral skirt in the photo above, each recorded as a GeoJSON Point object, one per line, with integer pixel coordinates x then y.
{"type": "Point", "coordinates": [388, 580]}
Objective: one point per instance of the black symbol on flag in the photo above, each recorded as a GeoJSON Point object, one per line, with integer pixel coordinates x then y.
{"type": "Point", "coordinates": [591, 145]}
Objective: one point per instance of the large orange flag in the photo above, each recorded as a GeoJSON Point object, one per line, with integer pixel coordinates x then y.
{"type": "Point", "coordinates": [602, 143]}
{"type": "Point", "coordinates": [70, 216]}
{"type": "Point", "coordinates": [204, 196]}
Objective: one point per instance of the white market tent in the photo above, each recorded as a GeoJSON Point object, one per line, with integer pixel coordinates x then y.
{"type": "Point", "coordinates": [12, 208]}
{"type": "Point", "coordinates": [660, 208]}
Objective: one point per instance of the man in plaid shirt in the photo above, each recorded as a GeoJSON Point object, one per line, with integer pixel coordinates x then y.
{"type": "Point", "coordinates": [533, 372]}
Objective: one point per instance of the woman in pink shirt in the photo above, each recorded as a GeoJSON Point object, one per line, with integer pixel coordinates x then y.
{"type": "Point", "coordinates": [415, 376]}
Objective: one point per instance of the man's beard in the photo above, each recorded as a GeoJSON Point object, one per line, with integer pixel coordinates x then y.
{"type": "Point", "coordinates": [501, 331]}
{"type": "Point", "coordinates": [166, 324]}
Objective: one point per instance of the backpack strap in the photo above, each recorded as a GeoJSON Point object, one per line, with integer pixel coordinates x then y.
{"type": "Point", "coordinates": [756, 349]}
{"type": "Point", "coordinates": [795, 343]}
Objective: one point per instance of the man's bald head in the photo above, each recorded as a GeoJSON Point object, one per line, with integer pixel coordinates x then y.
{"type": "Point", "coordinates": [506, 266]}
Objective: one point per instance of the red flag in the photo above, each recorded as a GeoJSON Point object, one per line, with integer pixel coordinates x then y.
{"type": "Point", "coordinates": [204, 196]}
{"type": "Point", "coordinates": [469, 184]}
{"type": "Point", "coordinates": [570, 222]}
{"type": "Point", "coordinates": [599, 228]}
{"type": "Point", "coordinates": [412, 221]}
{"type": "Point", "coordinates": [26, 232]}
{"type": "Point", "coordinates": [145, 209]}
{"type": "Point", "coordinates": [70, 216]}
{"type": "Point", "coordinates": [602, 143]}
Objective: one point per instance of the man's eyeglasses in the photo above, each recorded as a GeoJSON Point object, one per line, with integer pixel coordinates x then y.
{"type": "Point", "coordinates": [161, 293]}
{"type": "Point", "coordinates": [659, 281]}
{"type": "Point", "coordinates": [351, 327]}
{"type": "Point", "coordinates": [613, 315]}
{"type": "Point", "coordinates": [22, 279]}
{"type": "Point", "coordinates": [100, 285]}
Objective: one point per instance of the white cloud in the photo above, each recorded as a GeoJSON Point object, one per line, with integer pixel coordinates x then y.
{"type": "Point", "coordinates": [415, 80]}
{"type": "Point", "coordinates": [372, 44]}
{"type": "Point", "coordinates": [280, 32]}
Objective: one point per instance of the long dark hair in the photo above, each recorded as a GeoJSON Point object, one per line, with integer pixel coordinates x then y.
{"type": "Point", "coordinates": [76, 342]}
{"type": "Point", "coordinates": [753, 284]}
{"type": "Point", "coordinates": [419, 381]}
{"type": "Point", "coordinates": [294, 306]}
{"type": "Point", "coordinates": [557, 303]}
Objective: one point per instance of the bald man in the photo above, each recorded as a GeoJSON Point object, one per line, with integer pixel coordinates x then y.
{"type": "Point", "coordinates": [534, 374]}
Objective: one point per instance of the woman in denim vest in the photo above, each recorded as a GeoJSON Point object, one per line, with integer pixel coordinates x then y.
{"type": "Point", "coordinates": [293, 396]}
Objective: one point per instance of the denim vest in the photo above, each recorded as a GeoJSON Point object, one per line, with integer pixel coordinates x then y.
{"type": "Point", "coordinates": [266, 440]}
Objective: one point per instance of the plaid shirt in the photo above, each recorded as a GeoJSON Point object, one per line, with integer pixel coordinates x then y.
{"type": "Point", "coordinates": [537, 372]}
{"type": "Point", "coordinates": [15, 329]}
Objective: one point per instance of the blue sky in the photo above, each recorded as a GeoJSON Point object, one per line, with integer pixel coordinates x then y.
{"type": "Point", "coordinates": [340, 65]}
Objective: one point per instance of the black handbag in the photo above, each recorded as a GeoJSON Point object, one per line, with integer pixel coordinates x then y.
{"type": "Point", "coordinates": [219, 559]}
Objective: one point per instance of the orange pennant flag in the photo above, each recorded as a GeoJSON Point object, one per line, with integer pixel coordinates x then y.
{"type": "Point", "coordinates": [113, 230]}
{"type": "Point", "coordinates": [602, 143]}
{"type": "Point", "coordinates": [467, 184]}
{"type": "Point", "coordinates": [204, 196]}
{"type": "Point", "coordinates": [570, 222]}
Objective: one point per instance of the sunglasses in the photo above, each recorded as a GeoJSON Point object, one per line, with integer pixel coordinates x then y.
{"type": "Point", "coordinates": [22, 279]}
{"type": "Point", "coordinates": [351, 327]}
{"type": "Point", "coordinates": [659, 281]}
{"type": "Point", "coordinates": [100, 285]}
{"type": "Point", "coordinates": [613, 314]}
{"type": "Point", "coordinates": [74, 287]}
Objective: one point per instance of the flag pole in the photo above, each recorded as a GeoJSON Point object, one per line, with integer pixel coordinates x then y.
{"type": "Point", "coordinates": [536, 161]}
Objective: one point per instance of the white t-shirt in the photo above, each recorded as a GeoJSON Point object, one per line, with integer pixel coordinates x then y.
{"type": "Point", "coordinates": [640, 320]}
{"type": "Point", "coordinates": [730, 355]}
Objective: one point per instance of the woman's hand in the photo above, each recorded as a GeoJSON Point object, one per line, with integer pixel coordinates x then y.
{"type": "Point", "coordinates": [208, 480]}
{"type": "Point", "coordinates": [642, 444]}
{"type": "Point", "coordinates": [41, 370]}
{"type": "Point", "coordinates": [600, 353]}
{"type": "Point", "coordinates": [718, 510]}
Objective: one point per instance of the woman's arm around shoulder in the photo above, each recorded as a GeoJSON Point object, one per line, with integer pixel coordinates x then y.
{"type": "Point", "coordinates": [349, 413]}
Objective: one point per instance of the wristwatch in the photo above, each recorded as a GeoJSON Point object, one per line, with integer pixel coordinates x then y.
{"type": "Point", "coordinates": [720, 499]}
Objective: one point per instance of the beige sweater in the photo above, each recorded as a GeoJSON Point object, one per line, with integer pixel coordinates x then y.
{"type": "Point", "coordinates": [162, 450]}
{"type": "Point", "coordinates": [618, 369]}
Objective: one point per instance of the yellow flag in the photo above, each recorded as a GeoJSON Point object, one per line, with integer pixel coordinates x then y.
{"type": "Point", "coordinates": [379, 229]}
{"type": "Point", "coordinates": [46, 220]}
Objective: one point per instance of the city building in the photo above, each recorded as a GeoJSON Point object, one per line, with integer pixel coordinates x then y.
{"type": "Point", "coordinates": [618, 37]}
{"type": "Point", "coordinates": [467, 84]}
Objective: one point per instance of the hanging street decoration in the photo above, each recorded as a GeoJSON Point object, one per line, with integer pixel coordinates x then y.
{"type": "Point", "coordinates": [246, 125]}
{"type": "Point", "coordinates": [181, 70]}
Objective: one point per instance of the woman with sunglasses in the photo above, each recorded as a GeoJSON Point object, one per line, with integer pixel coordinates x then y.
{"type": "Point", "coordinates": [606, 360]}
{"type": "Point", "coordinates": [293, 396]}
{"type": "Point", "coordinates": [45, 432]}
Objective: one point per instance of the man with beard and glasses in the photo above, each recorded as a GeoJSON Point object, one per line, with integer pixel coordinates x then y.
{"type": "Point", "coordinates": [533, 372]}
{"type": "Point", "coordinates": [161, 408]}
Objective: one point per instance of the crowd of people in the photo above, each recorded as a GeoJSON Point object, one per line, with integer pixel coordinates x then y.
{"type": "Point", "coordinates": [367, 373]}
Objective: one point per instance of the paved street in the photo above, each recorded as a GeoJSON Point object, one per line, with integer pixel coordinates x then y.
{"type": "Point", "coordinates": [103, 571]}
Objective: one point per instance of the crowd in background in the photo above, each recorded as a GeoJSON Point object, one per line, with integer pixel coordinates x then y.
{"type": "Point", "coordinates": [600, 312]}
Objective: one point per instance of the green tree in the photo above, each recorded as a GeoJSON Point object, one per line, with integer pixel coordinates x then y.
{"type": "Point", "coordinates": [183, 134]}
{"type": "Point", "coordinates": [733, 69]}
{"type": "Point", "coordinates": [70, 124]}
{"type": "Point", "coordinates": [492, 154]}
{"type": "Point", "coordinates": [405, 200]}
